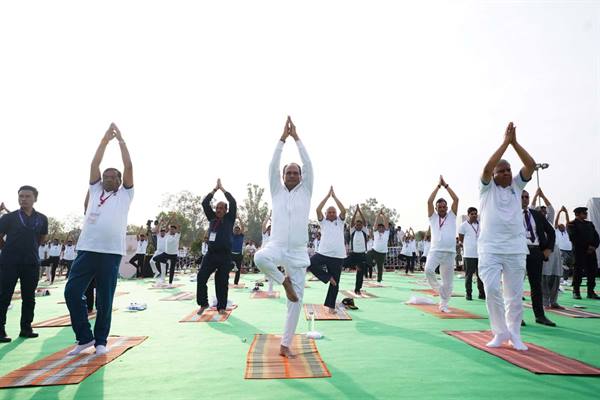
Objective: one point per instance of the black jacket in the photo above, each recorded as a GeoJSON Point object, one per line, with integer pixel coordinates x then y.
{"type": "Point", "coordinates": [583, 234]}
{"type": "Point", "coordinates": [543, 230]}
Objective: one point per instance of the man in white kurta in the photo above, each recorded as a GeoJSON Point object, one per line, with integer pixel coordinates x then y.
{"type": "Point", "coordinates": [287, 244]}
{"type": "Point", "coordinates": [502, 247]}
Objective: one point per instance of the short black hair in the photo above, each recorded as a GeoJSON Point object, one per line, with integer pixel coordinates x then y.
{"type": "Point", "coordinates": [31, 188]}
{"type": "Point", "coordinates": [471, 209]}
{"type": "Point", "coordinates": [116, 170]}
{"type": "Point", "coordinates": [440, 200]}
{"type": "Point", "coordinates": [298, 165]}
{"type": "Point", "coordinates": [173, 226]}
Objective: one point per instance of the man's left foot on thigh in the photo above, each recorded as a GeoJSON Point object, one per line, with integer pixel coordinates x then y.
{"type": "Point", "coordinates": [28, 334]}
{"type": "Point", "coordinates": [286, 352]}
{"type": "Point", "coordinates": [593, 296]}
{"type": "Point", "coordinates": [544, 321]}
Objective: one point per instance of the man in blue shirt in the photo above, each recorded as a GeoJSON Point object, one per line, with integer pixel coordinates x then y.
{"type": "Point", "coordinates": [237, 247]}
{"type": "Point", "coordinates": [218, 257]}
{"type": "Point", "coordinates": [21, 233]}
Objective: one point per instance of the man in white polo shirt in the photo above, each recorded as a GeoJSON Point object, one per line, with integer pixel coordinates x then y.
{"type": "Point", "coordinates": [100, 247]}
{"type": "Point", "coordinates": [170, 255]}
{"type": "Point", "coordinates": [160, 248]}
{"type": "Point", "coordinates": [380, 242]}
{"type": "Point", "coordinates": [357, 257]}
{"type": "Point", "coordinates": [287, 246]}
{"type": "Point", "coordinates": [468, 233]}
{"type": "Point", "coordinates": [327, 263]}
{"type": "Point", "coordinates": [69, 255]}
{"type": "Point", "coordinates": [502, 247]}
{"type": "Point", "coordinates": [54, 251]}
{"type": "Point", "coordinates": [139, 257]}
{"type": "Point", "coordinates": [443, 243]}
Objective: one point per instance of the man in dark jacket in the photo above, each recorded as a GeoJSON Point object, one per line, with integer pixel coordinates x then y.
{"type": "Point", "coordinates": [540, 241]}
{"type": "Point", "coordinates": [585, 241]}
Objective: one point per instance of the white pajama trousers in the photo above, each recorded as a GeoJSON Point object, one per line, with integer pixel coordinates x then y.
{"type": "Point", "coordinates": [445, 259]}
{"type": "Point", "coordinates": [295, 262]}
{"type": "Point", "coordinates": [502, 276]}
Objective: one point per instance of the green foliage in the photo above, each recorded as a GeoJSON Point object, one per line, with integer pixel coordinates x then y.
{"type": "Point", "coordinates": [253, 213]}
{"type": "Point", "coordinates": [185, 210]}
{"type": "Point", "coordinates": [370, 208]}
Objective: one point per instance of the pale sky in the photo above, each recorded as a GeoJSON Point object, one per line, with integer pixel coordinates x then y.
{"type": "Point", "coordinates": [385, 95]}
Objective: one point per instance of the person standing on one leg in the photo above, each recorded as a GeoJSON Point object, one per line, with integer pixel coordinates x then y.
{"type": "Point", "coordinates": [287, 246]}
{"type": "Point", "coordinates": [218, 257]}
{"type": "Point", "coordinates": [564, 243]}
{"type": "Point", "coordinates": [380, 242]}
{"type": "Point", "coordinates": [584, 237]}
{"type": "Point", "coordinates": [327, 263]}
{"type": "Point", "coordinates": [170, 255]}
{"type": "Point", "coordinates": [139, 258]}
{"type": "Point", "coordinates": [161, 240]}
{"type": "Point", "coordinates": [502, 246]}
{"type": "Point", "coordinates": [21, 233]}
{"type": "Point", "coordinates": [237, 249]}
{"type": "Point", "coordinates": [101, 246]}
{"type": "Point", "coordinates": [443, 243]}
{"type": "Point", "coordinates": [358, 248]}
{"type": "Point", "coordinates": [468, 234]}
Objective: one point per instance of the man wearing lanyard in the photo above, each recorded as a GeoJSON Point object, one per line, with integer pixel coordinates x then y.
{"type": "Point", "coordinates": [218, 256]}
{"type": "Point", "coordinates": [100, 247]}
{"type": "Point", "coordinates": [443, 243]}
{"type": "Point", "coordinates": [21, 233]}
{"type": "Point", "coordinates": [380, 243]}
{"type": "Point", "coordinates": [468, 233]}
{"type": "Point", "coordinates": [287, 246]}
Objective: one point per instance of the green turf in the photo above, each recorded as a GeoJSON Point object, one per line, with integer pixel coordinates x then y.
{"type": "Point", "coordinates": [388, 351]}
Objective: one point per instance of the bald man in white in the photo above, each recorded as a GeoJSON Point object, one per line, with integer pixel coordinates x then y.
{"type": "Point", "coordinates": [287, 245]}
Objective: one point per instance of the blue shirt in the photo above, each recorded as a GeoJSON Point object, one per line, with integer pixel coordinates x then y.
{"type": "Point", "coordinates": [221, 228]}
{"type": "Point", "coordinates": [22, 237]}
{"type": "Point", "coordinates": [237, 243]}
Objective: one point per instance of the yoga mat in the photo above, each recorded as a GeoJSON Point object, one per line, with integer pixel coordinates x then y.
{"type": "Point", "coordinates": [375, 285]}
{"type": "Point", "coordinates": [455, 313]}
{"type": "Point", "coordinates": [569, 312]}
{"type": "Point", "coordinates": [60, 369]}
{"type": "Point", "coordinates": [64, 320]}
{"type": "Point", "coordinates": [180, 296]}
{"type": "Point", "coordinates": [209, 315]}
{"type": "Point", "coordinates": [262, 294]}
{"type": "Point", "coordinates": [537, 359]}
{"type": "Point", "coordinates": [166, 287]}
{"type": "Point", "coordinates": [264, 361]}
{"type": "Point", "coordinates": [117, 294]}
{"type": "Point", "coordinates": [363, 295]}
{"type": "Point", "coordinates": [433, 292]}
{"type": "Point", "coordinates": [238, 286]}
{"type": "Point", "coordinates": [322, 313]}
{"type": "Point", "coordinates": [39, 292]}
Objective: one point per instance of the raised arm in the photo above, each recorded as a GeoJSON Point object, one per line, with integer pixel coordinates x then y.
{"type": "Point", "coordinates": [488, 169]}
{"type": "Point", "coordinates": [430, 206]}
{"type": "Point", "coordinates": [274, 173]}
{"type": "Point", "coordinates": [95, 174]}
{"type": "Point", "coordinates": [528, 161]}
{"type": "Point", "coordinates": [386, 222]}
{"type": "Point", "coordinates": [208, 211]}
{"type": "Point", "coordinates": [307, 169]}
{"type": "Point", "coordinates": [127, 165]}
{"type": "Point", "coordinates": [339, 204]}
{"type": "Point", "coordinates": [3, 208]}
{"type": "Point", "coordinates": [454, 206]}
{"type": "Point", "coordinates": [321, 205]}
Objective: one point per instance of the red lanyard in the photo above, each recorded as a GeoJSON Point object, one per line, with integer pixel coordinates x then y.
{"type": "Point", "coordinates": [103, 199]}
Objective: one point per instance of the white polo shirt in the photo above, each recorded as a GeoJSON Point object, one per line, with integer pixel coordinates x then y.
{"type": "Point", "coordinates": [359, 244]}
{"type": "Point", "coordinates": [471, 234]}
{"type": "Point", "coordinates": [443, 232]}
{"type": "Point", "coordinates": [142, 246]}
{"type": "Point", "coordinates": [332, 238]}
{"type": "Point", "coordinates": [105, 226]}
{"type": "Point", "coordinates": [562, 238]}
{"type": "Point", "coordinates": [426, 247]}
{"type": "Point", "coordinates": [54, 250]}
{"type": "Point", "coordinates": [69, 253]}
{"type": "Point", "coordinates": [501, 218]}
{"type": "Point", "coordinates": [172, 243]}
{"type": "Point", "coordinates": [380, 241]}
{"type": "Point", "coordinates": [160, 244]}
{"type": "Point", "coordinates": [42, 252]}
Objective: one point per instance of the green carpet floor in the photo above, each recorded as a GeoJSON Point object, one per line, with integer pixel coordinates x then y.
{"type": "Point", "coordinates": [388, 351]}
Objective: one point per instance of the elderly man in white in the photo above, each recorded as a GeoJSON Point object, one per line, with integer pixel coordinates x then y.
{"type": "Point", "coordinates": [287, 244]}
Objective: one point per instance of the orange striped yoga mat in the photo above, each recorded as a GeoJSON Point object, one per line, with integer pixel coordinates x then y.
{"type": "Point", "coordinates": [569, 312]}
{"type": "Point", "coordinates": [64, 320]}
{"type": "Point", "coordinates": [537, 359]}
{"type": "Point", "coordinates": [262, 294]}
{"type": "Point", "coordinates": [455, 313]}
{"type": "Point", "coordinates": [117, 294]}
{"type": "Point", "coordinates": [264, 361]}
{"type": "Point", "coordinates": [363, 294]}
{"type": "Point", "coordinates": [210, 315]}
{"type": "Point", "coordinates": [180, 296]}
{"type": "Point", "coordinates": [433, 292]}
{"type": "Point", "coordinates": [322, 313]}
{"type": "Point", "coordinates": [60, 369]}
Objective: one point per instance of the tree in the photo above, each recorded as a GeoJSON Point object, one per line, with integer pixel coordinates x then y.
{"type": "Point", "coordinates": [56, 229]}
{"type": "Point", "coordinates": [254, 211]}
{"type": "Point", "coordinates": [185, 210]}
{"type": "Point", "coordinates": [370, 208]}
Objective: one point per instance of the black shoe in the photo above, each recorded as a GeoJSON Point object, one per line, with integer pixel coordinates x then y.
{"type": "Point", "coordinates": [593, 296]}
{"type": "Point", "coordinates": [3, 337]}
{"type": "Point", "coordinates": [576, 296]}
{"type": "Point", "coordinates": [523, 323]}
{"type": "Point", "coordinates": [469, 297]}
{"type": "Point", "coordinates": [544, 321]}
{"type": "Point", "coordinates": [481, 297]}
{"type": "Point", "coordinates": [28, 334]}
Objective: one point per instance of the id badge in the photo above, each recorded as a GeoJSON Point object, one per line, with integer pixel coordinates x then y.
{"type": "Point", "coordinates": [212, 237]}
{"type": "Point", "coordinates": [93, 218]}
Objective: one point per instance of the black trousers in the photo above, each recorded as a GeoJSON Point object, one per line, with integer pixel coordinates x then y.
{"type": "Point", "coordinates": [585, 264]}
{"type": "Point", "coordinates": [220, 264]}
{"type": "Point", "coordinates": [369, 266]}
{"type": "Point", "coordinates": [325, 268]}
{"type": "Point", "coordinates": [358, 260]}
{"type": "Point", "coordinates": [53, 262]}
{"type": "Point", "coordinates": [471, 267]}
{"type": "Point", "coordinates": [237, 259]}
{"type": "Point", "coordinates": [68, 264]}
{"type": "Point", "coordinates": [138, 262]}
{"type": "Point", "coordinates": [379, 259]}
{"type": "Point", "coordinates": [163, 258]}
{"type": "Point", "coordinates": [410, 263]}
{"type": "Point", "coordinates": [535, 261]}
{"type": "Point", "coordinates": [89, 295]}
{"type": "Point", "coordinates": [29, 276]}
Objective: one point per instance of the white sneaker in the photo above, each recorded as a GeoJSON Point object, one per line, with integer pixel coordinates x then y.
{"type": "Point", "coordinates": [80, 347]}
{"type": "Point", "coordinates": [101, 350]}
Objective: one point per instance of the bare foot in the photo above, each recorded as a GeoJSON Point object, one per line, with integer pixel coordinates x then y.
{"type": "Point", "coordinates": [332, 281]}
{"type": "Point", "coordinates": [332, 310]}
{"type": "Point", "coordinates": [222, 312]}
{"type": "Point", "coordinates": [289, 290]}
{"type": "Point", "coordinates": [286, 352]}
{"type": "Point", "coordinates": [201, 310]}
